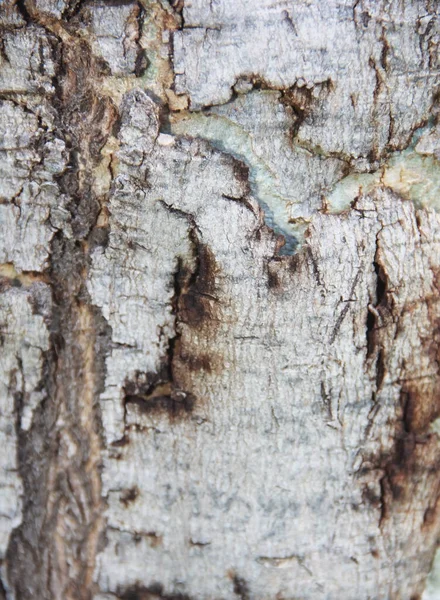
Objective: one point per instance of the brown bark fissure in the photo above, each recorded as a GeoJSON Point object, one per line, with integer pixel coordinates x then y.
{"type": "Point", "coordinates": [52, 553]}
{"type": "Point", "coordinates": [415, 453]}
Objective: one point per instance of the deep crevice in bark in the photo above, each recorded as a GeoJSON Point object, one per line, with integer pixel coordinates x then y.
{"type": "Point", "coordinates": [74, 373]}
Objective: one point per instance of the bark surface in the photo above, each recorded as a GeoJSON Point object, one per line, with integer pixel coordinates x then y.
{"type": "Point", "coordinates": [219, 299]}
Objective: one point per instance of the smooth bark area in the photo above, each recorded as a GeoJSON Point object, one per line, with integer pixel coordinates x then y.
{"type": "Point", "coordinates": [219, 299]}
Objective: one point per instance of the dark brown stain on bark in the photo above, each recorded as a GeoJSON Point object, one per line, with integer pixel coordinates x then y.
{"type": "Point", "coordinates": [197, 300]}
{"type": "Point", "coordinates": [196, 363]}
{"type": "Point", "coordinates": [154, 539]}
{"type": "Point", "coordinates": [152, 592]}
{"type": "Point", "coordinates": [410, 469]}
{"type": "Point", "coordinates": [175, 404]}
{"type": "Point", "coordinates": [129, 496]}
{"type": "Point", "coordinates": [273, 278]}
{"type": "Point", "coordinates": [241, 588]}
{"type": "Point", "coordinates": [416, 458]}
{"type": "Point", "coordinates": [88, 120]}
{"type": "Point", "coordinates": [157, 393]}
{"type": "Point", "coordinates": [170, 391]}
{"type": "Point", "coordinates": [241, 172]}
{"type": "Point", "coordinates": [299, 102]}
{"type": "Point", "coordinates": [199, 297]}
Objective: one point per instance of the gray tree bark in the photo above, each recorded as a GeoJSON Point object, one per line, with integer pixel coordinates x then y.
{"type": "Point", "coordinates": [219, 299]}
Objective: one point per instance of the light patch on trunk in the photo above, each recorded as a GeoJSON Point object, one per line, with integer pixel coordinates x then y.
{"type": "Point", "coordinates": [414, 174]}
{"type": "Point", "coordinates": [158, 22]}
{"type": "Point", "coordinates": [432, 591]}
{"type": "Point", "coordinates": [236, 141]}
{"type": "Point", "coordinates": [435, 426]}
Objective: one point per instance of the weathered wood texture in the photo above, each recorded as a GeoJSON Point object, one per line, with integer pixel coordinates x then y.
{"type": "Point", "coordinates": [219, 299]}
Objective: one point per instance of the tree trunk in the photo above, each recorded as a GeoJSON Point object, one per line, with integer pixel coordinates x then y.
{"type": "Point", "coordinates": [220, 299]}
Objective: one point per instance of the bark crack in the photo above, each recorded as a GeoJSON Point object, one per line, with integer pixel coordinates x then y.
{"type": "Point", "coordinates": [67, 469]}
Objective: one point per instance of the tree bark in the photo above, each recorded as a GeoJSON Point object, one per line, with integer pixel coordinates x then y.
{"type": "Point", "coordinates": [219, 299]}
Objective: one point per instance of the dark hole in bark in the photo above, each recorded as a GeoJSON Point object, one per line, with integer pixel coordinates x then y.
{"type": "Point", "coordinates": [372, 320]}
{"type": "Point", "coordinates": [381, 286]}
{"type": "Point", "coordinates": [241, 588]}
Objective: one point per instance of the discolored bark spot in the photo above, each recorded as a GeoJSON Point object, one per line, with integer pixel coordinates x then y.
{"type": "Point", "coordinates": [241, 172]}
{"type": "Point", "coordinates": [195, 363]}
{"type": "Point", "coordinates": [153, 592]}
{"type": "Point", "coordinates": [196, 304]}
{"type": "Point", "coordinates": [273, 280]}
{"type": "Point", "coordinates": [175, 404]}
{"type": "Point", "coordinates": [129, 496]}
{"type": "Point", "coordinates": [151, 395]}
{"type": "Point", "coordinates": [241, 588]}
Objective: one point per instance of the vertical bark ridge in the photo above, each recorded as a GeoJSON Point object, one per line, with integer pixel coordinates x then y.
{"type": "Point", "coordinates": [52, 554]}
